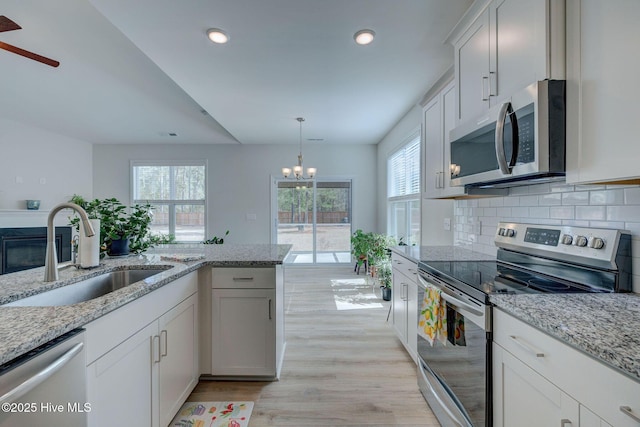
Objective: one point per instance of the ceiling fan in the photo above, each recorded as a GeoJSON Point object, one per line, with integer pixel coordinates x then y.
{"type": "Point", "coordinates": [7, 24]}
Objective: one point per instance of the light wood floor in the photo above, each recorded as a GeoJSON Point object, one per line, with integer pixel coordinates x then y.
{"type": "Point", "coordinates": [341, 367]}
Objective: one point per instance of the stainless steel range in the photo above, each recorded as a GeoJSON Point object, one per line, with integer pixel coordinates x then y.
{"type": "Point", "coordinates": [454, 374]}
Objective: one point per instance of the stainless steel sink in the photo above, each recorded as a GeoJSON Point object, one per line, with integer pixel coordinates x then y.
{"type": "Point", "coordinates": [87, 289]}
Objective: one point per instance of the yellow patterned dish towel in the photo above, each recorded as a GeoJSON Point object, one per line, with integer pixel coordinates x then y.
{"type": "Point", "coordinates": [432, 324]}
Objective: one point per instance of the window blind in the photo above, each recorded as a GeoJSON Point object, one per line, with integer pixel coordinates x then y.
{"type": "Point", "coordinates": [404, 170]}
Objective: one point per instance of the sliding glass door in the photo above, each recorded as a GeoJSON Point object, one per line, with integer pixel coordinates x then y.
{"type": "Point", "coordinates": [315, 218]}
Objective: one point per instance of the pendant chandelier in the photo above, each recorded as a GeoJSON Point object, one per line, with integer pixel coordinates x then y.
{"type": "Point", "coordinates": [298, 170]}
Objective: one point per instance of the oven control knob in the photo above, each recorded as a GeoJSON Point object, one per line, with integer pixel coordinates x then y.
{"type": "Point", "coordinates": [581, 241]}
{"type": "Point", "coordinates": [567, 239]}
{"type": "Point", "coordinates": [596, 243]}
{"type": "Point", "coordinates": [502, 232]}
{"type": "Point", "coordinates": [511, 232]}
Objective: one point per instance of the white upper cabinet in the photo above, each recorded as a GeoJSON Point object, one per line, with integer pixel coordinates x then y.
{"type": "Point", "coordinates": [602, 91]}
{"type": "Point", "coordinates": [438, 118]}
{"type": "Point", "coordinates": [502, 46]}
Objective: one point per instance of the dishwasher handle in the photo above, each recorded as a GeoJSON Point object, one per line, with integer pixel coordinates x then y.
{"type": "Point", "coordinates": [40, 377]}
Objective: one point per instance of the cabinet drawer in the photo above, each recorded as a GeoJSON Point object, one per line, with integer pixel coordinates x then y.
{"type": "Point", "coordinates": [405, 266]}
{"type": "Point", "coordinates": [597, 386]}
{"type": "Point", "coordinates": [244, 278]}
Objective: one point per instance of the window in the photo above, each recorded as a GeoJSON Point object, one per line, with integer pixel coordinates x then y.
{"type": "Point", "coordinates": [178, 195]}
{"type": "Point", "coordinates": [403, 191]}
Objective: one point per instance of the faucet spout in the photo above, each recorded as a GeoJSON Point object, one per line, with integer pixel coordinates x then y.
{"type": "Point", "coordinates": [51, 260]}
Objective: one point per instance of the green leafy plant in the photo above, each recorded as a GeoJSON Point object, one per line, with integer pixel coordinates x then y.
{"type": "Point", "coordinates": [383, 272]}
{"type": "Point", "coordinates": [118, 222]}
{"type": "Point", "coordinates": [372, 247]}
{"type": "Point", "coordinates": [215, 240]}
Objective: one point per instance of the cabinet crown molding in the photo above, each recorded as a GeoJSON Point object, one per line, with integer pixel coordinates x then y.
{"type": "Point", "coordinates": [475, 10]}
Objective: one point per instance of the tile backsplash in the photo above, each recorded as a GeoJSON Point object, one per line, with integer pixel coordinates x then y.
{"type": "Point", "coordinates": [610, 206]}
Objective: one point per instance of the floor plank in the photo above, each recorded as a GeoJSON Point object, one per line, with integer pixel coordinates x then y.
{"type": "Point", "coordinates": [341, 367]}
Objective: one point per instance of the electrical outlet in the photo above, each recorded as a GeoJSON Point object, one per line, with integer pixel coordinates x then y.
{"type": "Point", "coordinates": [447, 224]}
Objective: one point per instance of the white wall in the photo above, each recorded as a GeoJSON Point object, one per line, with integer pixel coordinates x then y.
{"type": "Point", "coordinates": [433, 212]}
{"type": "Point", "coordinates": [239, 179]}
{"type": "Point", "coordinates": [557, 204]}
{"type": "Point", "coordinates": [37, 164]}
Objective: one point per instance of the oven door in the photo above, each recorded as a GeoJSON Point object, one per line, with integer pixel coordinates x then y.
{"type": "Point", "coordinates": [455, 377]}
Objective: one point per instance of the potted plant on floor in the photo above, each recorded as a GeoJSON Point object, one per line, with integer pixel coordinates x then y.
{"type": "Point", "coordinates": [384, 278]}
{"type": "Point", "coordinates": [360, 248]}
{"type": "Point", "coordinates": [121, 231]}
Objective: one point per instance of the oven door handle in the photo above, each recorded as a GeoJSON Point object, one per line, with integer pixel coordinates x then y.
{"type": "Point", "coordinates": [452, 299]}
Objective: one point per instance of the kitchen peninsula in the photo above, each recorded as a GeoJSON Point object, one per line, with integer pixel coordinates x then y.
{"type": "Point", "coordinates": [25, 328]}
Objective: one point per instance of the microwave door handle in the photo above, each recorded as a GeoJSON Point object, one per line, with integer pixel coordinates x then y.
{"type": "Point", "coordinates": [505, 167]}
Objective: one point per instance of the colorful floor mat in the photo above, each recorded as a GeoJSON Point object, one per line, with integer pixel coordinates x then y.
{"type": "Point", "coordinates": [213, 414]}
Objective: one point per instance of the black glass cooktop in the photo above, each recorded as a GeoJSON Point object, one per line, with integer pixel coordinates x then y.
{"type": "Point", "coordinates": [481, 278]}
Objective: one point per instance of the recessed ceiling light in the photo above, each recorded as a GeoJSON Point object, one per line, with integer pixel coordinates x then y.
{"type": "Point", "coordinates": [217, 35]}
{"type": "Point", "coordinates": [364, 37]}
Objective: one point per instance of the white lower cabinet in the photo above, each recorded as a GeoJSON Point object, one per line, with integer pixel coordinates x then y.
{"type": "Point", "coordinates": [540, 381]}
{"type": "Point", "coordinates": [119, 383]}
{"type": "Point", "coordinates": [404, 302]}
{"type": "Point", "coordinates": [524, 398]}
{"type": "Point", "coordinates": [247, 322]}
{"type": "Point", "coordinates": [143, 358]}
{"type": "Point", "coordinates": [244, 335]}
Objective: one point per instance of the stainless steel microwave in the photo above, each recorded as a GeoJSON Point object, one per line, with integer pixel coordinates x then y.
{"type": "Point", "coordinates": [521, 141]}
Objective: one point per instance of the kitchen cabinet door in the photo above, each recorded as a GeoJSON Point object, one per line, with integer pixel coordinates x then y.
{"type": "Point", "coordinates": [119, 384]}
{"type": "Point", "coordinates": [437, 121]}
{"type": "Point", "coordinates": [527, 44]}
{"type": "Point", "coordinates": [524, 398]}
{"type": "Point", "coordinates": [589, 419]}
{"type": "Point", "coordinates": [503, 48]}
{"type": "Point", "coordinates": [602, 91]}
{"type": "Point", "coordinates": [404, 299]}
{"type": "Point", "coordinates": [433, 148]}
{"type": "Point", "coordinates": [472, 69]}
{"type": "Point", "coordinates": [178, 367]}
{"type": "Point", "coordinates": [243, 332]}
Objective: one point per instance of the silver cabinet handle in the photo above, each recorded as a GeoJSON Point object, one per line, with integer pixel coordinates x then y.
{"type": "Point", "coordinates": [565, 422]}
{"type": "Point", "coordinates": [166, 343]}
{"type": "Point", "coordinates": [40, 377]}
{"type": "Point", "coordinates": [527, 347]}
{"type": "Point", "coordinates": [243, 279]}
{"type": "Point", "coordinates": [270, 318]}
{"type": "Point", "coordinates": [153, 349]}
{"type": "Point", "coordinates": [629, 412]}
{"type": "Point", "coordinates": [485, 79]}
{"type": "Point", "coordinates": [491, 74]}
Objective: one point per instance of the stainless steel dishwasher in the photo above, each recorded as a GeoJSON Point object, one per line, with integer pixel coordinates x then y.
{"type": "Point", "coordinates": [46, 386]}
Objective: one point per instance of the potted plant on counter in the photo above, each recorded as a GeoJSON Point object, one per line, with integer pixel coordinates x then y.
{"type": "Point", "coordinates": [121, 231]}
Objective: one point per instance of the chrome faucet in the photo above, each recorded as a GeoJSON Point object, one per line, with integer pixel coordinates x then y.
{"type": "Point", "coordinates": [51, 260]}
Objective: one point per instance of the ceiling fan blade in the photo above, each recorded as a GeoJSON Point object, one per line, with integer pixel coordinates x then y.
{"type": "Point", "coordinates": [30, 55]}
{"type": "Point", "coordinates": [7, 24]}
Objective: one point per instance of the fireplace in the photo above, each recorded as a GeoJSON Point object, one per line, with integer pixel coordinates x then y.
{"type": "Point", "coordinates": [24, 248]}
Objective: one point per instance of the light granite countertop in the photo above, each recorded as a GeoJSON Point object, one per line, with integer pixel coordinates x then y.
{"type": "Point", "coordinates": [603, 326]}
{"type": "Point", "coordinates": [440, 253]}
{"type": "Point", "coordinates": [25, 328]}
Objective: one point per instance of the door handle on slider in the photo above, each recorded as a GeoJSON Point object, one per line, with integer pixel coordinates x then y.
{"type": "Point", "coordinates": [527, 347]}
{"type": "Point", "coordinates": [629, 412]}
